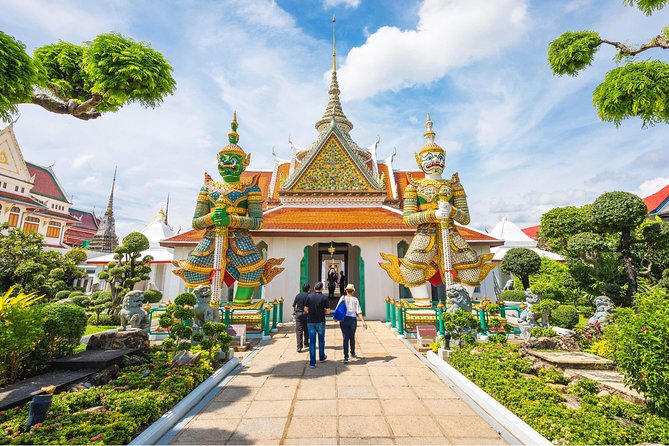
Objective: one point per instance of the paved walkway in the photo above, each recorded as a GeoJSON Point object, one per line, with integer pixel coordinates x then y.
{"type": "Point", "coordinates": [387, 397]}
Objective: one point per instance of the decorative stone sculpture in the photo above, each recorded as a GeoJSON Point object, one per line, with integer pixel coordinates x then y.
{"type": "Point", "coordinates": [528, 318]}
{"type": "Point", "coordinates": [459, 296]}
{"type": "Point", "coordinates": [438, 253]}
{"type": "Point", "coordinates": [509, 285]}
{"type": "Point", "coordinates": [226, 210]}
{"type": "Point", "coordinates": [603, 310]}
{"type": "Point", "coordinates": [132, 313]}
{"type": "Point", "coordinates": [203, 310]}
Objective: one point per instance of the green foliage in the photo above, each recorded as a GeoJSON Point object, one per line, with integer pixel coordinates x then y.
{"type": "Point", "coordinates": [552, 376]}
{"type": "Point", "coordinates": [559, 224]}
{"type": "Point", "coordinates": [642, 346]}
{"type": "Point", "coordinates": [185, 299]}
{"type": "Point", "coordinates": [126, 71]}
{"type": "Point", "coordinates": [25, 264]}
{"type": "Point", "coordinates": [647, 6]}
{"type": "Point", "coordinates": [500, 371]}
{"type": "Point", "coordinates": [215, 339]}
{"type": "Point", "coordinates": [565, 316]}
{"type": "Point", "coordinates": [62, 294]}
{"type": "Point", "coordinates": [77, 255]}
{"type": "Point", "coordinates": [458, 323]}
{"type": "Point", "coordinates": [64, 325]}
{"type": "Point", "coordinates": [107, 73]}
{"type": "Point", "coordinates": [512, 295]}
{"type": "Point", "coordinates": [21, 327]}
{"type": "Point", "coordinates": [521, 262]}
{"type": "Point", "coordinates": [664, 281]}
{"type": "Point", "coordinates": [81, 301]}
{"type": "Point", "coordinates": [104, 320]}
{"type": "Point", "coordinates": [131, 401]}
{"type": "Point", "coordinates": [17, 75]}
{"type": "Point", "coordinates": [127, 269]}
{"type": "Point", "coordinates": [497, 338]}
{"type": "Point", "coordinates": [100, 302]}
{"type": "Point", "coordinates": [572, 51]}
{"type": "Point", "coordinates": [617, 211]}
{"type": "Point", "coordinates": [542, 332]}
{"type": "Point", "coordinates": [178, 320]}
{"type": "Point", "coordinates": [492, 308]}
{"type": "Point", "coordinates": [152, 296]}
{"type": "Point", "coordinates": [553, 281]}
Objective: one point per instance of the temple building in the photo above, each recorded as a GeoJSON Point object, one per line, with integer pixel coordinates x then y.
{"type": "Point", "coordinates": [334, 204]}
{"type": "Point", "coordinates": [105, 239]}
{"type": "Point", "coordinates": [33, 199]}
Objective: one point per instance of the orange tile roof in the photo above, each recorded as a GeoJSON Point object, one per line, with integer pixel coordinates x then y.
{"type": "Point", "coordinates": [656, 200]}
{"type": "Point", "coordinates": [297, 221]}
{"type": "Point", "coordinates": [531, 231]}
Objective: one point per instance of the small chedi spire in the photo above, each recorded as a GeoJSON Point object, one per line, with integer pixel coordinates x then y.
{"type": "Point", "coordinates": [334, 109]}
{"type": "Point", "coordinates": [430, 145]}
{"type": "Point", "coordinates": [429, 133]}
{"type": "Point", "coordinates": [233, 136]}
{"type": "Point", "coordinates": [105, 239]}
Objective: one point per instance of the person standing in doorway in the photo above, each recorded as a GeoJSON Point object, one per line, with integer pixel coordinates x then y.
{"type": "Point", "coordinates": [342, 284]}
{"type": "Point", "coordinates": [350, 322]}
{"type": "Point", "coordinates": [332, 282]}
{"type": "Point", "coordinates": [316, 307]}
{"type": "Point", "coordinates": [301, 332]}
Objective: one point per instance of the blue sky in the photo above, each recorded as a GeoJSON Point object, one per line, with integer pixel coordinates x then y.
{"type": "Point", "coordinates": [523, 140]}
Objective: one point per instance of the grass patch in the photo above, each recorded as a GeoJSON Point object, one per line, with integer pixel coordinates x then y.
{"type": "Point", "coordinates": [91, 329]}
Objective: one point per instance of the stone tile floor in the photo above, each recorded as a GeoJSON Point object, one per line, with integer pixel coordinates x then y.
{"type": "Point", "coordinates": [388, 396]}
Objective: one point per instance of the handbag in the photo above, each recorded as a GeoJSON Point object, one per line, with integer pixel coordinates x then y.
{"type": "Point", "coordinates": [340, 312]}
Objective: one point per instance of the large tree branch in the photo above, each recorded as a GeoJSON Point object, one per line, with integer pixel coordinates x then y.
{"type": "Point", "coordinates": [656, 42]}
{"type": "Point", "coordinates": [85, 110]}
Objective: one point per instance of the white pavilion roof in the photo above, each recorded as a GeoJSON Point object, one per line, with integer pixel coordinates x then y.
{"type": "Point", "coordinates": [514, 237]}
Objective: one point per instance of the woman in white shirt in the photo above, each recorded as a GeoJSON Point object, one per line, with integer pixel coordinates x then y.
{"type": "Point", "coordinates": [350, 322]}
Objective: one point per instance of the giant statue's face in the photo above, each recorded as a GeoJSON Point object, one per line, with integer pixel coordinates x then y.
{"type": "Point", "coordinates": [230, 166]}
{"type": "Point", "coordinates": [432, 162]}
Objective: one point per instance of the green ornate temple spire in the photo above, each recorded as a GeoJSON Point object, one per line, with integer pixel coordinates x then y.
{"type": "Point", "coordinates": [334, 109]}
{"type": "Point", "coordinates": [233, 136]}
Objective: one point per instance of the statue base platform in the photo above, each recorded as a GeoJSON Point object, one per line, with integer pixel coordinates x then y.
{"type": "Point", "coordinates": [416, 315]}
{"type": "Point", "coordinates": [249, 315]}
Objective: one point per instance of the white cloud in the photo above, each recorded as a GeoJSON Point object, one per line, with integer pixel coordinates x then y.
{"type": "Point", "coordinates": [353, 4]}
{"type": "Point", "coordinates": [82, 160]}
{"type": "Point", "coordinates": [449, 34]}
{"type": "Point", "coordinates": [649, 187]}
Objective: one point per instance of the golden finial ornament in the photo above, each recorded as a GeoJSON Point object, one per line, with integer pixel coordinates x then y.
{"type": "Point", "coordinates": [430, 135]}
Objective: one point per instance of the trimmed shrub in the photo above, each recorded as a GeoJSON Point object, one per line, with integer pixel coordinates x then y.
{"type": "Point", "coordinates": [63, 294]}
{"type": "Point", "coordinates": [21, 328]}
{"type": "Point", "coordinates": [152, 296]}
{"type": "Point", "coordinates": [104, 319]}
{"type": "Point", "coordinates": [81, 301]}
{"type": "Point", "coordinates": [497, 338]}
{"type": "Point", "coordinates": [185, 299]}
{"type": "Point", "coordinates": [75, 294]}
{"type": "Point", "coordinates": [565, 316]}
{"type": "Point", "coordinates": [513, 295]}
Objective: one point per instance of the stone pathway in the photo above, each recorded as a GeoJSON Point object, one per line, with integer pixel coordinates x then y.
{"type": "Point", "coordinates": [389, 396]}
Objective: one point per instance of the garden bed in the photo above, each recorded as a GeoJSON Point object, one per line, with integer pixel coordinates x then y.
{"type": "Point", "coordinates": [113, 413]}
{"type": "Point", "coordinates": [563, 411]}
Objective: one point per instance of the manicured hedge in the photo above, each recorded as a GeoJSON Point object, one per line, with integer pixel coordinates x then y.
{"type": "Point", "coordinates": [500, 371]}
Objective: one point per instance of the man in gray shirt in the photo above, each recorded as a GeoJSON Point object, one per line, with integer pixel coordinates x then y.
{"type": "Point", "coordinates": [301, 332]}
{"type": "Point", "coordinates": [316, 307]}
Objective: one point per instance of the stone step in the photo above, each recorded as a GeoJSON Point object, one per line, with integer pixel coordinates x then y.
{"type": "Point", "coordinates": [92, 359]}
{"type": "Point", "coordinates": [22, 391]}
{"type": "Point", "coordinates": [610, 380]}
{"type": "Point", "coordinates": [572, 360]}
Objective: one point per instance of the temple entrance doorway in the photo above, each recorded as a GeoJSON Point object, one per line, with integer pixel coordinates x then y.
{"type": "Point", "coordinates": [324, 258]}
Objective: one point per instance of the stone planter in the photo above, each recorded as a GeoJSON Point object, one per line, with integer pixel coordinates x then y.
{"type": "Point", "coordinates": [444, 354]}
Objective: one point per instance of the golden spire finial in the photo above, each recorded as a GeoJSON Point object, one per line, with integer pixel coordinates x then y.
{"type": "Point", "coordinates": [334, 44]}
{"type": "Point", "coordinates": [429, 133]}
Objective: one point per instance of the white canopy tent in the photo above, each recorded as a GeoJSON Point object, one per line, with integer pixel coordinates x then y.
{"type": "Point", "coordinates": [514, 237]}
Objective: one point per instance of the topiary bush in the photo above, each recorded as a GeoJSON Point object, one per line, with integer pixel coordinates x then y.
{"type": "Point", "coordinates": [63, 294]}
{"type": "Point", "coordinates": [81, 301]}
{"type": "Point", "coordinates": [642, 346]}
{"type": "Point", "coordinates": [152, 296]}
{"type": "Point", "coordinates": [513, 295]}
{"type": "Point", "coordinates": [64, 325]}
{"type": "Point", "coordinates": [104, 319]}
{"type": "Point", "coordinates": [565, 316]}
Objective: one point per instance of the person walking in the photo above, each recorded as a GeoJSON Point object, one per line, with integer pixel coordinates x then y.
{"type": "Point", "coordinates": [301, 332]}
{"type": "Point", "coordinates": [332, 282]}
{"type": "Point", "coordinates": [316, 307]}
{"type": "Point", "coordinates": [350, 323]}
{"type": "Point", "coordinates": [342, 284]}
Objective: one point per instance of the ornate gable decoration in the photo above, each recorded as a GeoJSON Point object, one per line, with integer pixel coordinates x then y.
{"type": "Point", "coordinates": [11, 160]}
{"type": "Point", "coordinates": [332, 167]}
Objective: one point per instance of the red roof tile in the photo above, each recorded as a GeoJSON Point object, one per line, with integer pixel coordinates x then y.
{"type": "Point", "coordinates": [21, 199]}
{"type": "Point", "coordinates": [531, 231]}
{"type": "Point", "coordinates": [61, 215]}
{"type": "Point", "coordinates": [88, 219]}
{"type": "Point", "coordinates": [46, 183]}
{"type": "Point", "coordinates": [656, 200]}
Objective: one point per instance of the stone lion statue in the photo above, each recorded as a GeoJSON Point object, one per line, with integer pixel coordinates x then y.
{"type": "Point", "coordinates": [603, 310]}
{"type": "Point", "coordinates": [528, 318]}
{"type": "Point", "coordinates": [508, 285]}
{"type": "Point", "coordinates": [203, 311]}
{"type": "Point", "coordinates": [458, 295]}
{"type": "Point", "coordinates": [132, 314]}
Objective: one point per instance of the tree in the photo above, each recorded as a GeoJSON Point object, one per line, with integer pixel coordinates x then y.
{"type": "Point", "coordinates": [25, 264]}
{"type": "Point", "coordinates": [84, 80]}
{"type": "Point", "coordinates": [559, 224]}
{"type": "Point", "coordinates": [521, 262]}
{"type": "Point", "coordinates": [634, 88]}
{"type": "Point", "coordinates": [128, 268]}
{"type": "Point", "coordinates": [621, 214]}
